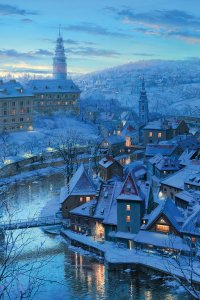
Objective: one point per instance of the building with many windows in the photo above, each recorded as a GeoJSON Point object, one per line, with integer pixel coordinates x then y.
{"type": "Point", "coordinates": [16, 105]}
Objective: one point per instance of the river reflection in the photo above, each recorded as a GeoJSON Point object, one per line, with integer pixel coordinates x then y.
{"type": "Point", "coordinates": [75, 276]}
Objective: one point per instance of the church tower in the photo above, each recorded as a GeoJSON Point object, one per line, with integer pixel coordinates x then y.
{"type": "Point", "coordinates": [59, 60]}
{"type": "Point", "coordinates": [143, 105]}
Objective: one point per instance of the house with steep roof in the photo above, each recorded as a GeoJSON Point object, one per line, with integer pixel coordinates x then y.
{"type": "Point", "coordinates": [110, 168]}
{"type": "Point", "coordinates": [163, 130]}
{"type": "Point", "coordinates": [163, 149]}
{"type": "Point", "coordinates": [80, 189]}
{"type": "Point", "coordinates": [185, 179]}
{"type": "Point", "coordinates": [162, 229]}
{"type": "Point", "coordinates": [113, 145]}
{"type": "Point", "coordinates": [90, 216]}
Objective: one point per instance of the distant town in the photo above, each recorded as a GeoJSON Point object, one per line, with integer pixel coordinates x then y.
{"type": "Point", "coordinates": [131, 190]}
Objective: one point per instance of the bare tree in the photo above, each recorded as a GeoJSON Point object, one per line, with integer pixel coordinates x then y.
{"type": "Point", "coordinates": [20, 278]}
{"type": "Point", "coordinates": [184, 268]}
{"type": "Point", "coordinates": [67, 143]}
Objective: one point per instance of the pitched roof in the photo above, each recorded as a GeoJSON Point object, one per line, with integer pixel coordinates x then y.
{"type": "Point", "coordinates": [161, 240]}
{"type": "Point", "coordinates": [115, 139]}
{"type": "Point", "coordinates": [107, 161]}
{"type": "Point", "coordinates": [177, 179]}
{"type": "Point", "coordinates": [164, 149]}
{"type": "Point", "coordinates": [53, 86]}
{"type": "Point", "coordinates": [80, 184]}
{"type": "Point", "coordinates": [130, 189]}
{"type": "Point", "coordinates": [168, 209]}
{"type": "Point", "coordinates": [13, 89]}
{"type": "Point", "coordinates": [192, 224]}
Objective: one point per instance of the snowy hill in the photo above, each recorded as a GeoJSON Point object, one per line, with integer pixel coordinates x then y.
{"type": "Point", "coordinates": [172, 86]}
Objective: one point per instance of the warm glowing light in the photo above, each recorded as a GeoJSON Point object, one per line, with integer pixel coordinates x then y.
{"type": "Point", "coordinates": [7, 161]}
{"type": "Point", "coordinates": [27, 155]}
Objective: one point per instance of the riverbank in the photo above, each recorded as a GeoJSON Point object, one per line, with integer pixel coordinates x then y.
{"type": "Point", "coordinates": [117, 258]}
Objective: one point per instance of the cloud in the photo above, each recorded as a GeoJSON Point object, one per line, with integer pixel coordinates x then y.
{"type": "Point", "coordinates": [145, 54]}
{"type": "Point", "coordinates": [90, 51]}
{"type": "Point", "coordinates": [27, 20]}
{"type": "Point", "coordinates": [94, 29]}
{"type": "Point", "coordinates": [160, 18]}
{"type": "Point", "coordinates": [166, 23]}
{"type": "Point", "coordinates": [6, 10]}
{"type": "Point", "coordinates": [12, 53]}
{"type": "Point", "coordinates": [26, 68]}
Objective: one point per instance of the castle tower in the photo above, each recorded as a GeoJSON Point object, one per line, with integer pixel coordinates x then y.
{"type": "Point", "coordinates": [59, 60]}
{"type": "Point", "coordinates": [143, 105]}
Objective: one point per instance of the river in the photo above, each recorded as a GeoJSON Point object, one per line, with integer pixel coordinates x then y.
{"type": "Point", "coordinates": [74, 274]}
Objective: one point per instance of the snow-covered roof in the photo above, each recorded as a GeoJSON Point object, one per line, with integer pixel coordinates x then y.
{"type": "Point", "coordinates": [163, 124]}
{"type": "Point", "coordinates": [161, 240]}
{"type": "Point", "coordinates": [169, 209]}
{"type": "Point", "coordinates": [122, 235]}
{"type": "Point", "coordinates": [193, 179]}
{"type": "Point", "coordinates": [111, 215]}
{"type": "Point", "coordinates": [186, 156]}
{"type": "Point", "coordinates": [185, 196]}
{"type": "Point", "coordinates": [164, 149]}
{"type": "Point", "coordinates": [192, 224]}
{"type": "Point", "coordinates": [115, 139]}
{"type": "Point", "coordinates": [155, 159]}
{"type": "Point", "coordinates": [80, 184]}
{"type": "Point", "coordinates": [53, 86]}
{"type": "Point", "coordinates": [130, 190]}
{"type": "Point", "coordinates": [177, 179]}
{"type": "Point", "coordinates": [107, 161]}
{"type": "Point", "coordinates": [13, 89]}
{"type": "Point", "coordinates": [129, 130]}
{"type": "Point", "coordinates": [168, 163]}
{"type": "Point", "coordinates": [104, 207]}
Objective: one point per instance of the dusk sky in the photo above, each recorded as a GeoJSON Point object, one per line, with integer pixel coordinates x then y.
{"type": "Point", "coordinates": [98, 33]}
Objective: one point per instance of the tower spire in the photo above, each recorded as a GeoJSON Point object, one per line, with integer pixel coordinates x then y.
{"type": "Point", "coordinates": [59, 59]}
{"type": "Point", "coordinates": [143, 105]}
{"type": "Point", "coordinates": [59, 30]}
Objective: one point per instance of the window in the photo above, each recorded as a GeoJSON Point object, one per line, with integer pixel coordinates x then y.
{"type": "Point", "coordinates": [13, 103]}
{"type": "Point", "coordinates": [162, 228]}
{"type": "Point", "coordinates": [5, 112]}
{"type": "Point", "coordinates": [128, 218]}
{"type": "Point", "coordinates": [21, 126]}
{"type": "Point", "coordinates": [81, 199]}
{"type": "Point", "coordinates": [159, 135]}
{"type": "Point", "coordinates": [87, 199]}
{"type": "Point", "coordinates": [128, 207]}
{"type": "Point", "coordinates": [150, 134]}
{"type": "Point", "coordinates": [21, 119]}
{"type": "Point", "coordinates": [13, 120]}
{"type": "Point", "coordinates": [13, 112]}
{"type": "Point", "coordinates": [21, 103]}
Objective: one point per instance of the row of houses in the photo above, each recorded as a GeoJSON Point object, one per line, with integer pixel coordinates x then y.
{"type": "Point", "coordinates": [126, 210]}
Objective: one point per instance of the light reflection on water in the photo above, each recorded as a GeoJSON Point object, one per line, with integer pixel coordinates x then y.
{"type": "Point", "coordinates": [78, 277]}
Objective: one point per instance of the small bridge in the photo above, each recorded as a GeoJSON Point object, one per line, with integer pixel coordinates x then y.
{"type": "Point", "coordinates": [30, 223]}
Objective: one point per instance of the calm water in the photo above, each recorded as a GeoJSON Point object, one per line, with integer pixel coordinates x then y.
{"type": "Point", "coordinates": [75, 274]}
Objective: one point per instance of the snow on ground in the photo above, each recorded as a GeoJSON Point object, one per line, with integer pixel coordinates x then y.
{"type": "Point", "coordinates": [114, 254]}
{"type": "Point", "coordinates": [19, 145]}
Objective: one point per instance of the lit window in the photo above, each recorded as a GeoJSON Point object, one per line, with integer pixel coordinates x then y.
{"type": "Point", "coordinates": [162, 228]}
{"type": "Point", "coordinates": [193, 239]}
{"type": "Point", "coordinates": [81, 199]}
{"type": "Point", "coordinates": [150, 134]}
{"type": "Point", "coordinates": [87, 199]}
{"type": "Point", "coordinates": [128, 207]}
{"type": "Point", "coordinates": [128, 218]}
{"type": "Point", "coordinates": [20, 126]}
{"type": "Point", "coordinates": [165, 172]}
{"type": "Point", "coordinates": [159, 135]}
